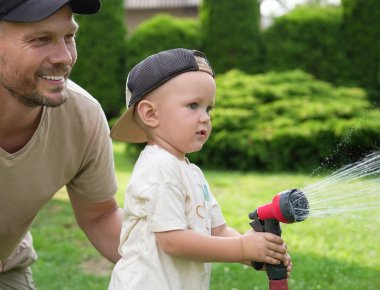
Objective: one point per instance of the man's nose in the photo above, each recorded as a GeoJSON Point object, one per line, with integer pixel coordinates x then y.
{"type": "Point", "coordinates": [62, 54]}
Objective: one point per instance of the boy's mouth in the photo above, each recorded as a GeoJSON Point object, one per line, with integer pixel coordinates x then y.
{"type": "Point", "coordinates": [202, 132]}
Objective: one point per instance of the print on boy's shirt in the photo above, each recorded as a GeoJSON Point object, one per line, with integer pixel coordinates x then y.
{"type": "Point", "coordinates": [201, 209]}
{"type": "Point", "coordinates": [201, 212]}
{"type": "Point", "coordinates": [206, 193]}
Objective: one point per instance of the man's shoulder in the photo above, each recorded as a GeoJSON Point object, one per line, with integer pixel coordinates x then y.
{"type": "Point", "coordinates": [81, 94]}
{"type": "Point", "coordinates": [82, 106]}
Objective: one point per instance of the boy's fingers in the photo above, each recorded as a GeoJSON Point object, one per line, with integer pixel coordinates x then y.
{"type": "Point", "coordinates": [278, 249]}
{"type": "Point", "coordinates": [273, 261]}
{"type": "Point", "coordinates": [276, 256]}
{"type": "Point", "coordinates": [274, 238]}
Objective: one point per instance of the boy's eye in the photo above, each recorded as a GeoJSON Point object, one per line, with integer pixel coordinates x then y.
{"type": "Point", "coordinates": [193, 106]}
{"type": "Point", "coordinates": [209, 108]}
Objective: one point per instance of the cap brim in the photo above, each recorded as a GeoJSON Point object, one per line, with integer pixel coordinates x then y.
{"type": "Point", "coordinates": [85, 6]}
{"type": "Point", "coordinates": [36, 10]}
{"type": "Point", "coordinates": [127, 130]}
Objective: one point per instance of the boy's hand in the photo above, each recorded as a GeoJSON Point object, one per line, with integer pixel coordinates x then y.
{"type": "Point", "coordinates": [264, 247]}
{"type": "Point", "coordinates": [288, 262]}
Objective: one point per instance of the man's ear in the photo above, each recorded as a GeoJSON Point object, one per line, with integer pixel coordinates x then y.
{"type": "Point", "coordinates": [147, 112]}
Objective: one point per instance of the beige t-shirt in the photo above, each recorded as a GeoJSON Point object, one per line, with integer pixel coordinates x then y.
{"type": "Point", "coordinates": [164, 194]}
{"type": "Point", "coordinates": [71, 147]}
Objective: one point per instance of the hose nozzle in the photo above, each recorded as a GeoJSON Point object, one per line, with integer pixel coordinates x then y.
{"type": "Point", "coordinates": [288, 206]}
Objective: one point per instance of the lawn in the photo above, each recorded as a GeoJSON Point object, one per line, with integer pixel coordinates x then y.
{"type": "Point", "coordinates": [332, 253]}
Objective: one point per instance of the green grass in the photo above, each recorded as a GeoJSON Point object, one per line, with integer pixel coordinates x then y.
{"type": "Point", "coordinates": [328, 253]}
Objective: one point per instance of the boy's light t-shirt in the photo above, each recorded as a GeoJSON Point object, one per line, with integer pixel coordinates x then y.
{"type": "Point", "coordinates": [164, 194]}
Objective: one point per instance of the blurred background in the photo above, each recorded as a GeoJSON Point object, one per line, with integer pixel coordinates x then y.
{"type": "Point", "coordinates": [298, 81]}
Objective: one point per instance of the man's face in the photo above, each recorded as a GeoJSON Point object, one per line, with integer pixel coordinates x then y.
{"type": "Point", "coordinates": [36, 58]}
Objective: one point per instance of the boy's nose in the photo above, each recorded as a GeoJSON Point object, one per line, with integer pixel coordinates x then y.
{"type": "Point", "coordinates": [205, 117]}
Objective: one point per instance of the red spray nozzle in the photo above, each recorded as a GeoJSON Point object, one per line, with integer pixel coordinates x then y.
{"type": "Point", "coordinates": [272, 210]}
{"type": "Point", "coordinates": [287, 207]}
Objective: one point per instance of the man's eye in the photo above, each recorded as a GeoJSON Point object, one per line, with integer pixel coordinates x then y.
{"type": "Point", "coordinates": [42, 39]}
{"type": "Point", "coordinates": [193, 106]}
{"type": "Point", "coordinates": [70, 38]}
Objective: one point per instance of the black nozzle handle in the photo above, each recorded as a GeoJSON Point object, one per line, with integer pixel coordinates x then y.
{"type": "Point", "coordinates": [258, 226]}
{"type": "Point", "coordinates": [272, 226]}
{"type": "Point", "coordinates": [274, 272]}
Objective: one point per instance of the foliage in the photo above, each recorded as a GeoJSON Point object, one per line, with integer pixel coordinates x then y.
{"type": "Point", "coordinates": [162, 32]}
{"type": "Point", "coordinates": [362, 41]}
{"type": "Point", "coordinates": [231, 36]}
{"type": "Point", "coordinates": [286, 121]}
{"type": "Point", "coordinates": [310, 39]}
{"type": "Point", "coordinates": [101, 65]}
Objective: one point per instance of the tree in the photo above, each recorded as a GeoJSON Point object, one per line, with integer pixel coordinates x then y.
{"type": "Point", "coordinates": [101, 65]}
{"type": "Point", "coordinates": [308, 38]}
{"type": "Point", "coordinates": [362, 38]}
{"type": "Point", "coordinates": [162, 32]}
{"type": "Point", "coordinates": [231, 35]}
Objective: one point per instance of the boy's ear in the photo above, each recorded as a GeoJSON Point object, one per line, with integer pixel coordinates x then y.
{"type": "Point", "coordinates": [147, 113]}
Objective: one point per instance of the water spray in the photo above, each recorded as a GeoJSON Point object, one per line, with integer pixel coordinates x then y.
{"type": "Point", "coordinates": [352, 188]}
{"type": "Point", "coordinates": [287, 207]}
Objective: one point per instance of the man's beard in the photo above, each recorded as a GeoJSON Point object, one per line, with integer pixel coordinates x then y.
{"type": "Point", "coordinates": [35, 99]}
{"type": "Point", "coordinates": [24, 89]}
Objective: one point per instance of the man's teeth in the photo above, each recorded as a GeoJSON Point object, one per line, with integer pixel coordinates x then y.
{"type": "Point", "coordinates": [53, 78]}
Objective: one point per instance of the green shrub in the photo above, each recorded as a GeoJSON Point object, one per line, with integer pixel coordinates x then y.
{"type": "Point", "coordinates": [362, 41]}
{"type": "Point", "coordinates": [101, 65]}
{"type": "Point", "coordinates": [310, 39]}
{"type": "Point", "coordinates": [287, 121]}
{"type": "Point", "coordinates": [162, 32]}
{"type": "Point", "coordinates": [231, 35]}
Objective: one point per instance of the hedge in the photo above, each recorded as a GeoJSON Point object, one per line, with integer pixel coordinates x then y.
{"type": "Point", "coordinates": [101, 65]}
{"type": "Point", "coordinates": [310, 39]}
{"type": "Point", "coordinates": [231, 35]}
{"type": "Point", "coordinates": [287, 121]}
{"type": "Point", "coordinates": [162, 32]}
{"type": "Point", "coordinates": [362, 42]}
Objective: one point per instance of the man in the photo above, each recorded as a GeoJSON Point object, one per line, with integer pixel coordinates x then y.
{"type": "Point", "coordinates": [52, 134]}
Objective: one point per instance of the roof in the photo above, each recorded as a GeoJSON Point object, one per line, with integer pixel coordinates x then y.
{"type": "Point", "coordinates": [155, 4]}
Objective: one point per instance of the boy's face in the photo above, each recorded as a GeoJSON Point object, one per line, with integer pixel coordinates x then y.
{"type": "Point", "coordinates": [183, 108]}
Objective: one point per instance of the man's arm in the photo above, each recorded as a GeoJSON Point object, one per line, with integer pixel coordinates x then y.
{"type": "Point", "coordinates": [101, 222]}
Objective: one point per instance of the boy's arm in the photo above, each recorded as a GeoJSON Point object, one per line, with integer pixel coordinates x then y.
{"type": "Point", "coordinates": [229, 247]}
{"type": "Point", "coordinates": [224, 231]}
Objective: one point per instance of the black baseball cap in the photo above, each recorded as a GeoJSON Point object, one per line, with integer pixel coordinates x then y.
{"type": "Point", "coordinates": [36, 10]}
{"type": "Point", "coordinates": [148, 75]}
